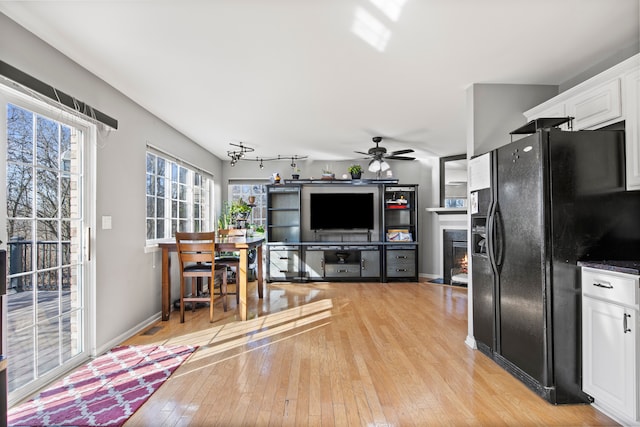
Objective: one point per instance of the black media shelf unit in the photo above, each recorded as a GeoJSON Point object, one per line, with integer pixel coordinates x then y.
{"type": "Point", "coordinates": [400, 228]}
{"type": "Point", "coordinates": [388, 252]}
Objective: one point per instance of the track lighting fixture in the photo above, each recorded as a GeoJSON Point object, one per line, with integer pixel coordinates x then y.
{"type": "Point", "coordinates": [240, 154]}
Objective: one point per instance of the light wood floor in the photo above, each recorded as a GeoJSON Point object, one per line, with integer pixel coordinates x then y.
{"type": "Point", "coordinates": [343, 354]}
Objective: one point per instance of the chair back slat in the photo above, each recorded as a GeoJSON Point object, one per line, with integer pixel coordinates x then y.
{"type": "Point", "coordinates": [196, 257]}
{"type": "Point", "coordinates": [231, 232]}
{"type": "Point", "coordinates": [195, 247]}
{"type": "Point", "coordinates": [191, 247]}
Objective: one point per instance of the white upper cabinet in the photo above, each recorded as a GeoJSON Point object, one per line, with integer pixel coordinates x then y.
{"type": "Point", "coordinates": [594, 107]}
{"type": "Point", "coordinates": [632, 127]}
{"type": "Point", "coordinates": [610, 97]}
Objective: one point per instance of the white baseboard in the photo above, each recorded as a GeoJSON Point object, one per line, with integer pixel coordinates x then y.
{"type": "Point", "coordinates": [128, 334]}
{"type": "Point", "coordinates": [614, 416]}
{"type": "Point", "coordinates": [470, 342]}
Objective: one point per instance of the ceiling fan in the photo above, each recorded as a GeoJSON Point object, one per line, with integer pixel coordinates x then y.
{"type": "Point", "coordinates": [379, 154]}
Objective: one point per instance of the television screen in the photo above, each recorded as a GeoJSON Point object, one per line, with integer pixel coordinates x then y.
{"type": "Point", "coordinates": [330, 211]}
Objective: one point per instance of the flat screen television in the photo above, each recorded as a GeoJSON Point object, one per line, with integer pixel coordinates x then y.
{"type": "Point", "coordinates": [333, 211]}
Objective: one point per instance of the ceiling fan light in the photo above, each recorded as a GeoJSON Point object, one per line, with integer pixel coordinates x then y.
{"type": "Point", "coordinates": [374, 165]}
{"type": "Point", "coordinates": [384, 166]}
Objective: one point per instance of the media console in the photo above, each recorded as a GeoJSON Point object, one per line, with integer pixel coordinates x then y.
{"type": "Point", "coordinates": [386, 250]}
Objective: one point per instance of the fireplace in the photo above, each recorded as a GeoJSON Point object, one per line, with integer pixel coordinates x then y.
{"type": "Point", "coordinates": [454, 257]}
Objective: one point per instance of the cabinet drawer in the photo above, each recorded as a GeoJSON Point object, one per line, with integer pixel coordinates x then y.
{"type": "Point", "coordinates": [611, 286]}
{"type": "Point", "coordinates": [283, 262]}
{"type": "Point", "coordinates": [342, 270]}
{"type": "Point", "coordinates": [282, 258]}
{"type": "Point", "coordinates": [401, 263]}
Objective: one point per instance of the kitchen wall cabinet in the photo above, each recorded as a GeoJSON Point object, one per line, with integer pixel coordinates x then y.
{"type": "Point", "coordinates": [607, 98]}
{"type": "Point", "coordinates": [632, 127]}
{"type": "Point", "coordinates": [609, 342]}
{"type": "Point", "coordinates": [592, 107]}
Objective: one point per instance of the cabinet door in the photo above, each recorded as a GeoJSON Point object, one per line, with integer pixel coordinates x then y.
{"type": "Point", "coordinates": [314, 264]}
{"type": "Point", "coordinates": [632, 129]}
{"type": "Point", "coordinates": [608, 353]}
{"type": "Point", "coordinates": [370, 263]}
{"type": "Point", "coordinates": [599, 105]}
{"type": "Point", "coordinates": [283, 263]}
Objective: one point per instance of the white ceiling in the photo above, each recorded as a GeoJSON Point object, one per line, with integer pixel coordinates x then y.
{"type": "Point", "coordinates": [295, 77]}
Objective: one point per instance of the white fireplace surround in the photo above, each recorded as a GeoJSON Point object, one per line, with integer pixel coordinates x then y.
{"type": "Point", "coordinates": [449, 222]}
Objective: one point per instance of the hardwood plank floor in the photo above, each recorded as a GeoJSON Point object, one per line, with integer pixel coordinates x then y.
{"type": "Point", "coordinates": [342, 354]}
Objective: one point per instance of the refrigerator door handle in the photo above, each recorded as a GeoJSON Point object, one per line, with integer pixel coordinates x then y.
{"type": "Point", "coordinates": [490, 238]}
{"type": "Point", "coordinates": [498, 243]}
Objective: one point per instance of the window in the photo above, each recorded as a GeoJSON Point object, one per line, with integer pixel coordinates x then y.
{"type": "Point", "coordinates": [242, 189]}
{"type": "Point", "coordinates": [178, 198]}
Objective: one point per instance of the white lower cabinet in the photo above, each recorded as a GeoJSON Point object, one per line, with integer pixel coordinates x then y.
{"type": "Point", "coordinates": [609, 342]}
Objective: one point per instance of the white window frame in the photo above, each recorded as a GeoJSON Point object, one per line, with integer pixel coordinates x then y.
{"type": "Point", "coordinates": [40, 106]}
{"type": "Point", "coordinates": [259, 213]}
{"type": "Point", "coordinates": [186, 191]}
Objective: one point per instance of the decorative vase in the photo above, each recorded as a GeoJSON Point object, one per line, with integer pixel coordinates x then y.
{"type": "Point", "coordinates": [295, 176]}
{"type": "Point", "coordinates": [356, 175]}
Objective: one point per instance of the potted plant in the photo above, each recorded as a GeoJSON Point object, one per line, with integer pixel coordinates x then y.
{"type": "Point", "coordinates": [240, 210]}
{"type": "Point", "coordinates": [225, 219]}
{"type": "Point", "coordinates": [327, 173]}
{"type": "Point", "coordinates": [295, 173]}
{"type": "Point", "coordinates": [355, 171]}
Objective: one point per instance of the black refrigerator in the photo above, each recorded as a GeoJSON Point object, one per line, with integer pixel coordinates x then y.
{"type": "Point", "coordinates": [549, 204]}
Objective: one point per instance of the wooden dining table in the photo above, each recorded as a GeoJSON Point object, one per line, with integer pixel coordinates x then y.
{"type": "Point", "coordinates": [239, 244]}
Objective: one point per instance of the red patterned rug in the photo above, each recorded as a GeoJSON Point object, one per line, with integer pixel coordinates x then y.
{"type": "Point", "coordinates": [106, 391]}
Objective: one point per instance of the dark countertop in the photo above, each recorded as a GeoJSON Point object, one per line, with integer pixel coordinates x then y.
{"type": "Point", "coordinates": [629, 267]}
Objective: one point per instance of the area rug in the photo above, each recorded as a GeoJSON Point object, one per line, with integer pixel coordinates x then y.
{"type": "Point", "coordinates": [106, 391]}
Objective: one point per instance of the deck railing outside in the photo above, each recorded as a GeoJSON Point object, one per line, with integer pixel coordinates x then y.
{"type": "Point", "coordinates": [20, 261]}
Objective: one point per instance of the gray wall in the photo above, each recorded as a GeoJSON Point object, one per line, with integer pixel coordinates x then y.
{"type": "Point", "coordinates": [615, 57]}
{"type": "Point", "coordinates": [497, 110]}
{"type": "Point", "coordinates": [127, 278]}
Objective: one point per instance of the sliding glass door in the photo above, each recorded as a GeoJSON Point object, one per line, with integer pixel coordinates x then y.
{"type": "Point", "coordinates": [46, 239]}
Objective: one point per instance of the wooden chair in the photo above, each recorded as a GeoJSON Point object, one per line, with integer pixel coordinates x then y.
{"type": "Point", "coordinates": [233, 260]}
{"type": "Point", "coordinates": [196, 256]}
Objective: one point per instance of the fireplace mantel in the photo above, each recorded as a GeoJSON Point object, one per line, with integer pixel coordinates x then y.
{"type": "Point", "coordinates": [448, 211]}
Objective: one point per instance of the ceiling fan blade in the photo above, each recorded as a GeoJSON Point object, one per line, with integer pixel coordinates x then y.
{"type": "Point", "coordinates": [360, 152]}
{"type": "Point", "coordinates": [406, 151]}
{"type": "Point", "coordinates": [400, 158]}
